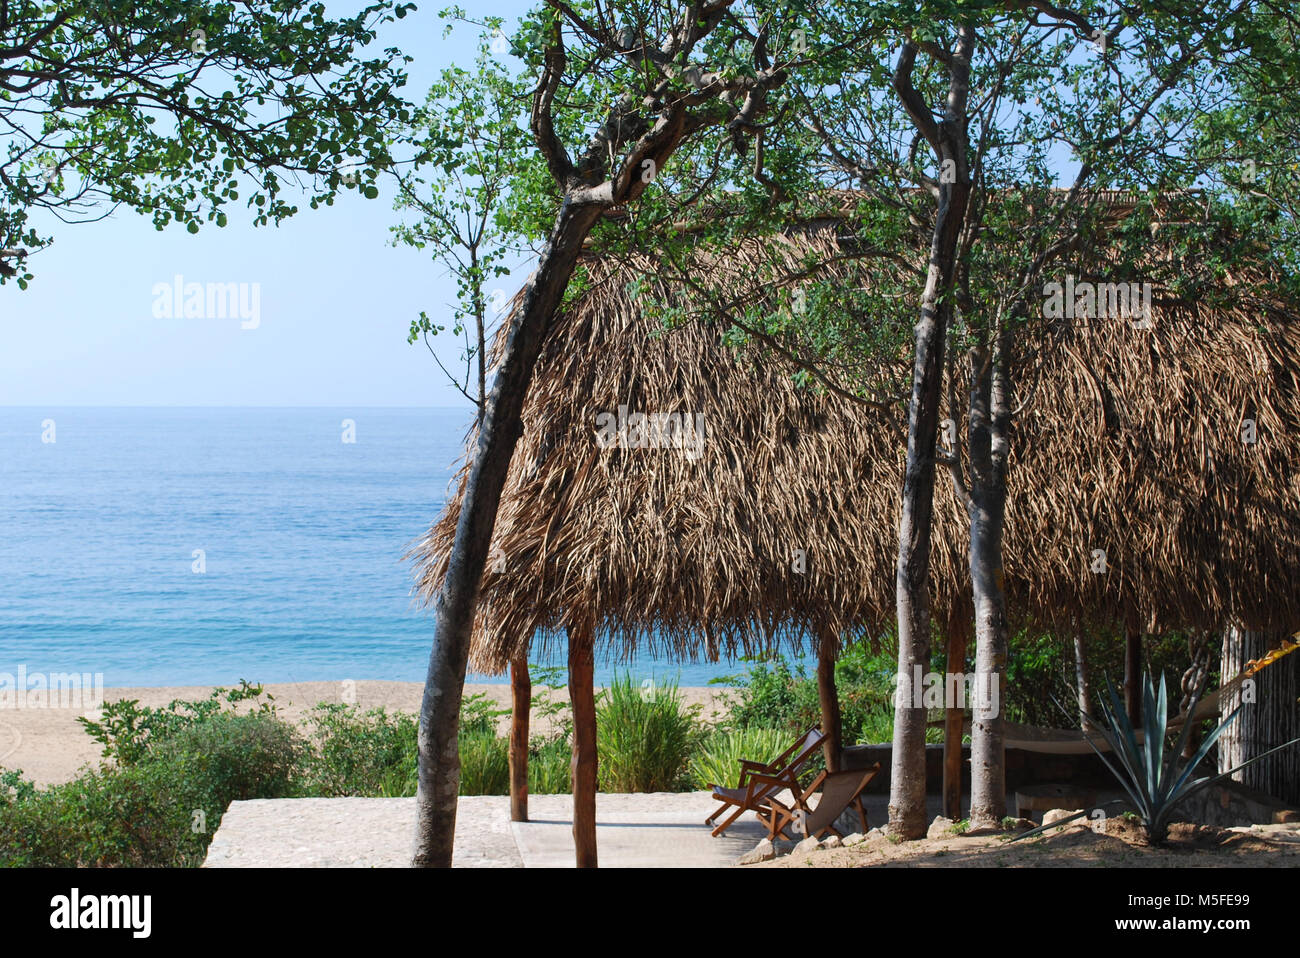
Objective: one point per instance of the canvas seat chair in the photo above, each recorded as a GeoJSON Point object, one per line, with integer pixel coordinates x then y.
{"type": "Point", "coordinates": [840, 791]}
{"type": "Point", "coordinates": [761, 781]}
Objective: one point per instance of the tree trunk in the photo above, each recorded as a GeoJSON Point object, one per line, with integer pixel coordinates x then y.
{"type": "Point", "coordinates": [1133, 675]}
{"type": "Point", "coordinates": [1083, 689]}
{"type": "Point", "coordinates": [990, 417]}
{"type": "Point", "coordinates": [907, 772]}
{"type": "Point", "coordinates": [833, 746]}
{"type": "Point", "coordinates": [907, 814]}
{"type": "Point", "coordinates": [1194, 680]}
{"type": "Point", "coordinates": [439, 755]}
{"type": "Point", "coordinates": [582, 698]}
{"type": "Point", "coordinates": [521, 703]}
{"type": "Point", "coordinates": [954, 719]}
{"type": "Point", "coordinates": [1269, 715]}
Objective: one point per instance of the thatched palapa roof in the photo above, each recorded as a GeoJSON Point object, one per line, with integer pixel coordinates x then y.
{"type": "Point", "coordinates": [1127, 441]}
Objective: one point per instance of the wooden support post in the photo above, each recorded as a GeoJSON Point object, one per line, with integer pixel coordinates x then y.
{"type": "Point", "coordinates": [1269, 715]}
{"type": "Point", "coordinates": [1133, 674]}
{"type": "Point", "coordinates": [582, 697]}
{"type": "Point", "coordinates": [521, 701]}
{"type": "Point", "coordinates": [953, 719]}
{"type": "Point", "coordinates": [827, 649]}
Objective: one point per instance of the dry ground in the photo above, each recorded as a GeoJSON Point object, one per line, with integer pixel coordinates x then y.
{"type": "Point", "coordinates": [1117, 843]}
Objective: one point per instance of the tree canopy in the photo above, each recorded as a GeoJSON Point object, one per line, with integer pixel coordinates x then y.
{"type": "Point", "coordinates": [177, 109]}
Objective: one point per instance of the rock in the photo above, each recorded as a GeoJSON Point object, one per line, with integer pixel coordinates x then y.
{"type": "Point", "coordinates": [762, 852]}
{"type": "Point", "coordinates": [856, 838]}
{"type": "Point", "coordinates": [875, 833]}
{"type": "Point", "coordinates": [1278, 832]}
{"type": "Point", "coordinates": [832, 841]}
{"type": "Point", "coordinates": [808, 845]}
{"type": "Point", "coordinates": [1017, 824]}
{"type": "Point", "coordinates": [1056, 814]}
{"type": "Point", "coordinates": [940, 828]}
{"type": "Point", "coordinates": [850, 821]}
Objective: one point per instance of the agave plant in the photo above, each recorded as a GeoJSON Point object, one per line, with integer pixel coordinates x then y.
{"type": "Point", "coordinates": [1153, 776]}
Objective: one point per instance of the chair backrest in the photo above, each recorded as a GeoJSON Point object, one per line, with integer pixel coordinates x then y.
{"type": "Point", "coordinates": [798, 754]}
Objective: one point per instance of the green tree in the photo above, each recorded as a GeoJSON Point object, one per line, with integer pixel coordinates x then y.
{"type": "Point", "coordinates": [989, 148]}
{"type": "Point", "coordinates": [471, 149]}
{"type": "Point", "coordinates": [174, 108]}
{"type": "Point", "coordinates": [616, 93]}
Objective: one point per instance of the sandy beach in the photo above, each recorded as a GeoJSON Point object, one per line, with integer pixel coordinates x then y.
{"type": "Point", "coordinates": [49, 745]}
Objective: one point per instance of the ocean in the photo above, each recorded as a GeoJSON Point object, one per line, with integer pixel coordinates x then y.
{"type": "Point", "coordinates": [199, 546]}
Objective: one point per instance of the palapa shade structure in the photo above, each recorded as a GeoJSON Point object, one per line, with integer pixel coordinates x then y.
{"type": "Point", "coordinates": [1127, 440]}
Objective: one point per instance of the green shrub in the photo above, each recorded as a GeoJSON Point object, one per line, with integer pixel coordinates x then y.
{"type": "Point", "coordinates": [162, 809]}
{"type": "Point", "coordinates": [127, 731]}
{"type": "Point", "coordinates": [370, 754]}
{"type": "Point", "coordinates": [773, 694]}
{"type": "Point", "coordinates": [478, 713]}
{"type": "Point", "coordinates": [1041, 671]}
{"type": "Point", "coordinates": [717, 760]}
{"type": "Point", "coordinates": [168, 776]}
{"type": "Point", "coordinates": [375, 753]}
{"type": "Point", "coordinates": [228, 757]}
{"type": "Point", "coordinates": [644, 737]}
{"type": "Point", "coordinates": [875, 726]}
{"type": "Point", "coordinates": [14, 788]}
{"type": "Point", "coordinates": [132, 816]}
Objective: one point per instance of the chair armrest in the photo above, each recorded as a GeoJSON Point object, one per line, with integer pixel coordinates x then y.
{"type": "Point", "coordinates": [811, 790]}
{"type": "Point", "coordinates": [773, 782]}
{"type": "Point", "coordinates": [748, 768]}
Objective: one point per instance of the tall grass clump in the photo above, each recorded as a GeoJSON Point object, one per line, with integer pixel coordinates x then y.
{"type": "Point", "coordinates": [717, 760]}
{"type": "Point", "coordinates": [549, 766]}
{"type": "Point", "coordinates": [484, 764]}
{"type": "Point", "coordinates": [644, 737]}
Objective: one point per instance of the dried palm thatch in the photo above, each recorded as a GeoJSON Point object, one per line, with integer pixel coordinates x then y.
{"type": "Point", "coordinates": [1128, 441]}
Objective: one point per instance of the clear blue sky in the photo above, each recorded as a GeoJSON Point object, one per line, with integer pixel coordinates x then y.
{"type": "Point", "coordinates": [336, 299]}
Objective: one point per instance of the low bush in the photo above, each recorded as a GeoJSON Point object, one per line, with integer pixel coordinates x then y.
{"type": "Point", "coordinates": [775, 694]}
{"type": "Point", "coordinates": [126, 731]}
{"type": "Point", "coordinates": [167, 778]}
{"type": "Point", "coordinates": [228, 758]}
{"type": "Point", "coordinates": [112, 817]}
{"type": "Point", "coordinates": [370, 754]}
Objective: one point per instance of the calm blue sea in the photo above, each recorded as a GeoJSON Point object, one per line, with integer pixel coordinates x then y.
{"type": "Point", "coordinates": [301, 536]}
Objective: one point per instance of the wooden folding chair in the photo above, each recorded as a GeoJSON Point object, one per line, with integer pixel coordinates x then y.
{"type": "Point", "coordinates": [839, 792]}
{"type": "Point", "coordinates": [760, 781]}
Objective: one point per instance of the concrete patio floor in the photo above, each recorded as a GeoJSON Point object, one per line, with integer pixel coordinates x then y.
{"type": "Point", "coordinates": [645, 830]}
